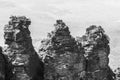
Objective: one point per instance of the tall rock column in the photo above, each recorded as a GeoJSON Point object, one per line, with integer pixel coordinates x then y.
{"type": "Point", "coordinates": [62, 58]}
{"type": "Point", "coordinates": [24, 63]}
{"type": "Point", "coordinates": [96, 46]}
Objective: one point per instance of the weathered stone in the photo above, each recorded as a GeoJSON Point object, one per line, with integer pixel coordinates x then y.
{"type": "Point", "coordinates": [62, 58]}
{"type": "Point", "coordinates": [23, 61]}
{"type": "Point", "coordinates": [96, 46]}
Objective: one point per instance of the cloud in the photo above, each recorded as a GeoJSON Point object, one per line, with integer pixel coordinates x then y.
{"type": "Point", "coordinates": [6, 4]}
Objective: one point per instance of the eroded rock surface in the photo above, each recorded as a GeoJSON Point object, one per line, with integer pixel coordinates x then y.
{"type": "Point", "coordinates": [96, 46]}
{"type": "Point", "coordinates": [23, 61]}
{"type": "Point", "coordinates": [62, 58]}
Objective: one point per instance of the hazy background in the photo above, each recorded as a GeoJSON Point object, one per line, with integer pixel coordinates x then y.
{"type": "Point", "coordinates": [77, 14]}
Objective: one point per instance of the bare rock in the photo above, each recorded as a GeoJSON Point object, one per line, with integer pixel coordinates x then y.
{"type": "Point", "coordinates": [23, 61]}
{"type": "Point", "coordinates": [61, 56]}
{"type": "Point", "coordinates": [96, 47]}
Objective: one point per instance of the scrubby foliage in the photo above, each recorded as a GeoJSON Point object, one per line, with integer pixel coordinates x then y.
{"type": "Point", "coordinates": [117, 73]}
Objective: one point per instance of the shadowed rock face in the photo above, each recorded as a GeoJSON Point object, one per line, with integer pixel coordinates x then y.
{"type": "Point", "coordinates": [62, 58]}
{"type": "Point", "coordinates": [96, 46]}
{"type": "Point", "coordinates": [23, 61]}
{"type": "Point", "coordinates": [2, 65]}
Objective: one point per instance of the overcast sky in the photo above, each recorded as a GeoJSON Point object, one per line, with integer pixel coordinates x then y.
{"type": "Point", "coordinates": [77, 14]}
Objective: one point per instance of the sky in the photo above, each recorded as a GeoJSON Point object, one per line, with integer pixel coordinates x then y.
{"type": "Point", "coordinates": [77, 14]}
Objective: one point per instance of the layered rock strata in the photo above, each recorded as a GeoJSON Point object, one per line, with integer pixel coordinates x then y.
{"type": "Point", "coordinates": [96, 46]}
{"type": "Point", "coordinates": [23, 61]}
{"type": "Point", "coordinates": [62, 58]}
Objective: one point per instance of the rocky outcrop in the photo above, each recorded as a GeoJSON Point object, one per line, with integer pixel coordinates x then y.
{"type": "Point", "coordinates": [96, 46]}
{"type": "Point", "coordinates": [62, 58]}
{"type": "Point", "coordinates": [23, 61]}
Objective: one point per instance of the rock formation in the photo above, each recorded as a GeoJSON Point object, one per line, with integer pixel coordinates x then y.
{"type": "Point", "coordinates": [62, 58]}
{"type": "Point", "coordinates": [23, 61]}
{"type": "Point", "coordinates": [96, 46]}
{"type": "Point", "coordinates": [2, 65]}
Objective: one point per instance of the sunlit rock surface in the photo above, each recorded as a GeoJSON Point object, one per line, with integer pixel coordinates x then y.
{"type": "Point", "coordinates": [23, 61]}
{"type": "Point", "coordinates": [61, 56]}
{"type": "Point", "coordinates": [96, 47]}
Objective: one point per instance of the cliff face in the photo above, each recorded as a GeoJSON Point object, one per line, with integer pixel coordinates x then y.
{"type": "Point", "coordinates": [62, 58]}
{"type": "Point", "coordinates": [96, 46]}
{"type": "Point", "coordinates": [23, 61]}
